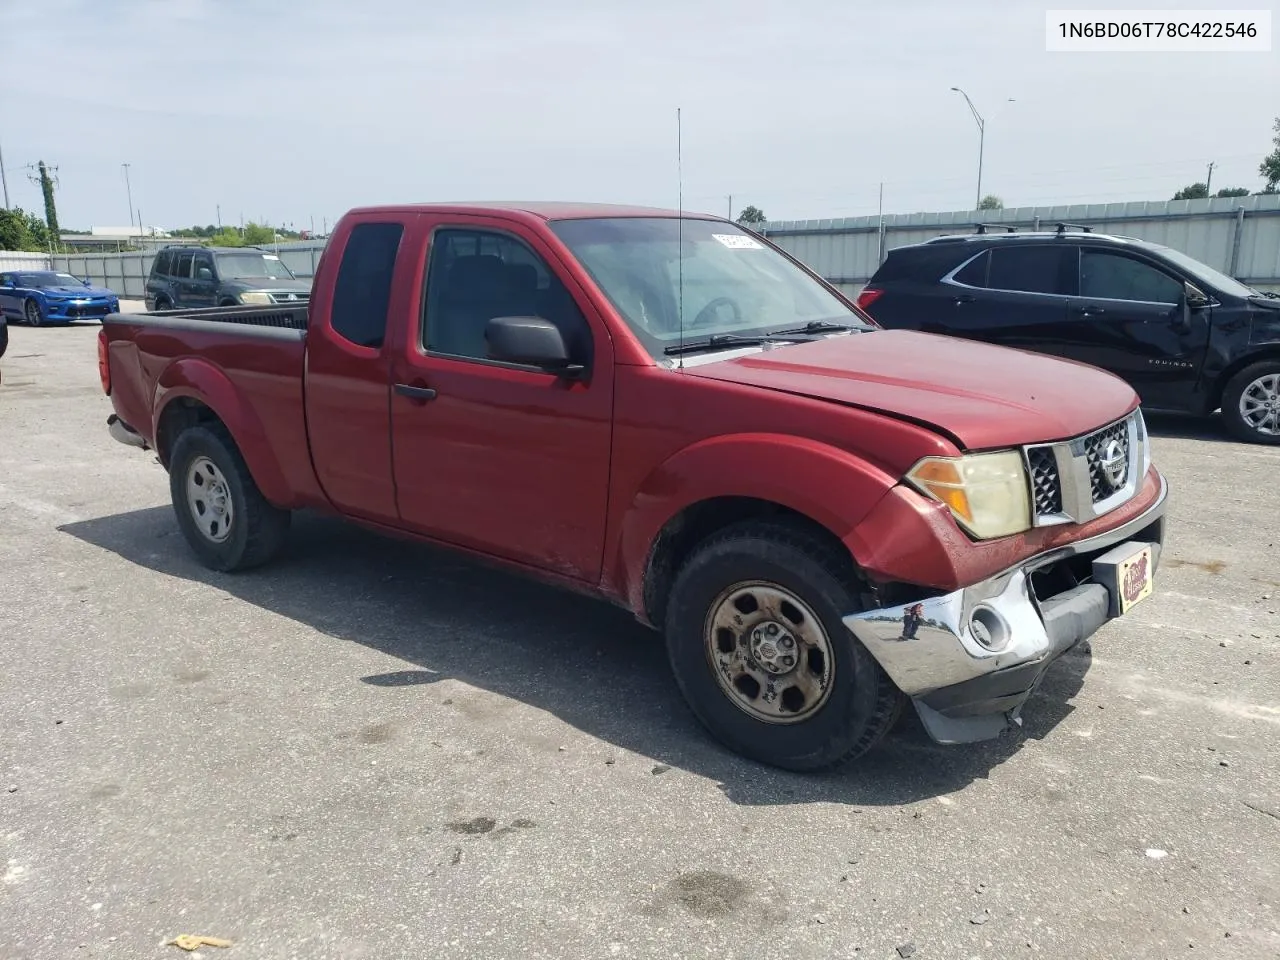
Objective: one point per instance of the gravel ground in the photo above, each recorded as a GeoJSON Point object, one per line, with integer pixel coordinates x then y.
{"type": "Point", "coordinates": [374, 749]}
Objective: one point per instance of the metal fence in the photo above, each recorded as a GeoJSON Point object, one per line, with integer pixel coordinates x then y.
{"type": "Point", "coordinates": [126, 273]}
{"type": "Point", "coordinates": [1237, 235]}
{"type": "Point", "coordinates": [18, 260]}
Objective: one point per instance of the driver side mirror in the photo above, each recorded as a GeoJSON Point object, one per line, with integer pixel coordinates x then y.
{"type": "Point", "coordinates": [204, 273]}
{"type": "Point", "coordinates": [532, 341]}
{"type": "Point", "coordinates": [1194, 296]}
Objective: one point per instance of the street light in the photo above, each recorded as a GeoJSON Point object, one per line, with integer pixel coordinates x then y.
{"type": "Point", "coordinates": [982, 130]}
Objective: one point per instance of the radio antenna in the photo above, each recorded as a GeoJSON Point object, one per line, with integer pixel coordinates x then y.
{"type": "Point", "coordinates": [680, 230]}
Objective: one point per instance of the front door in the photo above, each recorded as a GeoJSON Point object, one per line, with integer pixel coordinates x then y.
{"type": "Point", "coordinates": [10, 304]}
{"type": "Point", "coordinates": [204, 282]}
{"type": "Point", "coordinates": [181, 279]}
{"type": "Point", "coordinates": [1129, 318]}
{"type": "Point", "coordinates": [502, 458]}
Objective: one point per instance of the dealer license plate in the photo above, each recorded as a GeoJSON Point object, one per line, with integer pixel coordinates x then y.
{"type": "Point", "coordinates": [1128, 575]}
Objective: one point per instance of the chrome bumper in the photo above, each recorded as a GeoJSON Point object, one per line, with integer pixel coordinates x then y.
{"type": "Point", "coordinates": [976, 654]}
{"type": "Point", "coordinates": [121, 431]}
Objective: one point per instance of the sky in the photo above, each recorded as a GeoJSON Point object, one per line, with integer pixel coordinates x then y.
{"type": "Point", "coordinates": [293, 111]}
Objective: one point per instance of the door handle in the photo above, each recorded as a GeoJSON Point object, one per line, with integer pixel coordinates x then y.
{"type": "Point", "coordinates": [421, 394]}
{"type": "Point", "coordinates": [1091, 311]}
{"type": "Point", "coordinates": [964, 298]}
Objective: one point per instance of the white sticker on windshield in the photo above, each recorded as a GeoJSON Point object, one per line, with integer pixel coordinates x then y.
{"type": "Point", "coordinates": [737, 241]}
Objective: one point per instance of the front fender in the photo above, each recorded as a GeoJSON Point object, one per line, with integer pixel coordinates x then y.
{"type": "Point", "coordinates": [830, 486]}
{"type": "Point", "coordinates": [203, 381]}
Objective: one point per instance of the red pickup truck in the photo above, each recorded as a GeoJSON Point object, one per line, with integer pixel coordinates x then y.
{"type": "Point", "coordinates": [825, 519]}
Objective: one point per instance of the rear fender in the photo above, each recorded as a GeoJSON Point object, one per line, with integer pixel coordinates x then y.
{"type": "Point", "coordinates": [203, 381]}
{"type": "Point", "coordinates": [828, 485]}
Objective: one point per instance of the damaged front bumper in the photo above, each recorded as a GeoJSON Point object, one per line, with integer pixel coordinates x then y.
{"type": "Point", "coordinates": [970, 659]}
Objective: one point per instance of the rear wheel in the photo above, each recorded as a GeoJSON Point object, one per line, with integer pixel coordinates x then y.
{"type": "Point", "coordinates": [225, 518]}
{"type": "Point", "coordinates": [1251, 403]}
{"type": "Point", "coordinates": [162, 303]}
{"type": "Point", "coordinates": [756, 641]}
{"type": "Point", "coordinates": [31, 310]}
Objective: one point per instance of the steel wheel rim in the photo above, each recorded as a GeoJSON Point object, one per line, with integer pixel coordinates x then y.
{"type": "Point", "coordinates": [769, 652]}
{"type": "Point", "coordinates": [209, 500]}
{"type": "Point", "coordinates": [1260, 405]}
{"type": "Point", "coordinates": [33, 313]}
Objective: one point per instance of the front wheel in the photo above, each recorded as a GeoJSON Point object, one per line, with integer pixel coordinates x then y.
{"type": "Point", "coordinates": [759, 650]}
{"type": "Point", "coordinates": [32, 313]}
{"type": "Point", "coordinates": [225, 518]}
{"type": "Point", "coordinates": [1251, 403]}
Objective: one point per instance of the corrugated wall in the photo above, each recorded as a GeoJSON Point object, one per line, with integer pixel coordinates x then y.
{"type": "Point", "coordinates": [1237, 235]}
{"type": "Point", "coordinates": [18, 260]}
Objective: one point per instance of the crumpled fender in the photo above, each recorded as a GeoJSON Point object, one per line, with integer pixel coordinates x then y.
{"type": "Point", "coordinates": [204, 381]}
{"type": "Point", "coordinates": [830, 486]}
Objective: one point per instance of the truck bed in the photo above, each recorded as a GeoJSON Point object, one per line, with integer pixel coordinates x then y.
{"type": "Point", "coordinates": [252, 359]}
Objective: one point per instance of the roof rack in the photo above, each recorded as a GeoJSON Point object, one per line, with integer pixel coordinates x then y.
{"type": "Point", "coordinates": [984, 227]}
{"type": "Point", "coordinates": [1062, 228]}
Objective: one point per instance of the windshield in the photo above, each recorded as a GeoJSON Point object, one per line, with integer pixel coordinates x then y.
{"type": "Point", "coordinates": [1202, 271]}
{"type": "Point", "coordinates": [252, 266]}
{"type": "Point", "coordinates": [727, 281]}
{"type": "Point", "coordinates": [44, 281]}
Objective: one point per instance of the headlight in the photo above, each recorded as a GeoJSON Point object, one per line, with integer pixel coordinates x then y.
{"type": "Point", "coordinates": [255, 296]}
{"type": "Point", "coordinates": [987, 493]}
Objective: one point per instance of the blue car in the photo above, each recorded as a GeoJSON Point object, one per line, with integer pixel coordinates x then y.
{"type": "Point", "coordinates": [45, 296]}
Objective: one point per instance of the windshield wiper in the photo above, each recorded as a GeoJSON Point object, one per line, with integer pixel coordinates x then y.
{"type": "Point", "coordinates": [818, 326]}
{"type": "Point", "coordinates": [728, 340]}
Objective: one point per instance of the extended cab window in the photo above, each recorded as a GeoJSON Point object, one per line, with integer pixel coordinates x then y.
{"type": "Point", "coordinates": [1112, 276]}
{"type": "Point", "coordinates": [163, 261]}
{"type": "Point", "coordinates": [362, 292]}
{"type": "Point", "coordinates": [476, 275]}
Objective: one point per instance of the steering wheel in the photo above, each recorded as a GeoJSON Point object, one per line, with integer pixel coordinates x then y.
{"type": "Point", "coordinates": [710, 309]}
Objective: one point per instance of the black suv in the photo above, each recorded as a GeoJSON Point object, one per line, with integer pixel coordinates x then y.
{"type": "Point", "coordinates": [1186, 337]}
{"type": "Point", "coordinates": [184, 277]}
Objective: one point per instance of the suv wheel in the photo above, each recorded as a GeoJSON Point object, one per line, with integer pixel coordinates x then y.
{"type": "Point", "coordinates": [759, 650]}
{"type": "Point", "coordinates": [162, 303]}
{"type": "Point", "coordinates": [1251, 403]}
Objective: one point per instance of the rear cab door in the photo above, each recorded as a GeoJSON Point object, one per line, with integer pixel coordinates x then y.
{"type": "Point", "coordinates": [505, 459]}
{"type": "Point", "coordinates": [1128, 316]}
{"type": "Point", "coordinates": [350, 343]}
{"type": "Point", "coordinates": [1012, 294]}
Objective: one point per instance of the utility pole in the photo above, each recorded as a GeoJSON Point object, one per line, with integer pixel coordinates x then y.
{"type": "Point", "coordinates": [45, 177]}
{"type": "Point", "coordinates": [982, 132]}
{"type": "Point", "coordinates": [219, 209]}
{"type": "Point", "coordinates": [880, 230]}
{"type": "Point", "coordinates": [128, 190]}
{"type": "Point", "coordinates": [731, 206]}
{"type": "Point", "coordinates": [4, 180]}
{"type": "Point", "coordinates": [1208, 181]}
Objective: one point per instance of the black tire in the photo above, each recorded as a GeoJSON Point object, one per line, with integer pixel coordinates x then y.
{"type": "Point", "coordinates": [1233, 419]}
{"type": "Point", "coordinates": [31, 313]}
{"type": "Point", "coordinates": [257, 529]}
{"type": "Point", "coordinates": [862, 704]}
{"type": "Point", "coordinates": [162, 303]}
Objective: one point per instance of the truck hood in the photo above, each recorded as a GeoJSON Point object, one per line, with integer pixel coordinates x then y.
{"type": "Point", "coordinates": [298, 286]}
{"type": "Point", "coordinates": [77, 293]}
{"type": "Point", "coordinates": [980, 395]}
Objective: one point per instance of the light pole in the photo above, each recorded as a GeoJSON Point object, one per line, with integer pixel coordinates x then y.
{"type": "Point", "coordinates": [982, 132]}
{"type": "Point", "coordinates": [129, 191]}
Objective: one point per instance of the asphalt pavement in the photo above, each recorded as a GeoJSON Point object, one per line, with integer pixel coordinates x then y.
{"type": "Point", "coordinates": [372, 748]}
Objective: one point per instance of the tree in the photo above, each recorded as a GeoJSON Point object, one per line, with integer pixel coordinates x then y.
{"type": "Point", "coordinates": [751, 217]}
{"type": "Point", "coordinates": [1270, 166]}
{"type": "Point", "coordinates": [1233, 192]}
{"type": "Point", "coordinates": [991, 202]}
{"type": "Point", "coordinates": [1196, 191]}
{"type": "Point", "coordinates": [20, 230]}
{"type": "Point", "coordinates": [256, 234]}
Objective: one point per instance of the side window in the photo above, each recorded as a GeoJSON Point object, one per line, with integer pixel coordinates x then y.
{"type": "Point", "coordinates": [1027, 269]}
{"type": "Point", "coordinates": [1110, 276]}
{"type": "Point", "coordinates": [164, 260]}
{"type": "Point", "coordinates": [362, 292]}
{"type": "Point", "coordinates": [974, 273]}
{"type": "Point", "coordinates": [204, 262]}
{"type": "Point", "coordinates": [183, 269]}
{"type": "Point", "coordinates": [476, 275]}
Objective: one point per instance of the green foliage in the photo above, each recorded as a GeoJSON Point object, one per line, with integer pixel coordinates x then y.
{"type": "Point", "coordinates": [1196, 191]}
{"type": "Point", "coordinates": [1233, 192]}
{"type": "Point", "coordinates": [1270, 166]}
{"type": "Point", "coordinates": [50, 207]}
{"type": "Point", "coordinates": [751, 217]}
{"type": "Point", "coordinates": [991, 202]}
{"type": "Point", "coordinates": [256, 234]}
{"type": "Point", "coordinates": [20, 230]}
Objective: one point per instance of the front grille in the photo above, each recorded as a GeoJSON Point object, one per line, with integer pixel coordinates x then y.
{"type": "Point", "coordinates": [284, 297]}
{"type": "Point", "coordinates": [1046, 486]}
{"type": "Point", "coordinates": [99, 310]}
{"type": "Point", "coordinates": [1075, 480]}
{"type": "Point", "coordinates": [1097, 446]}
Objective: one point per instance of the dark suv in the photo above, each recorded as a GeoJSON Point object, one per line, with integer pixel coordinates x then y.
{"type": "Point", "coordinates": [1186, 337]}
{"type": "Point", "coordinates": [185, 277]}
